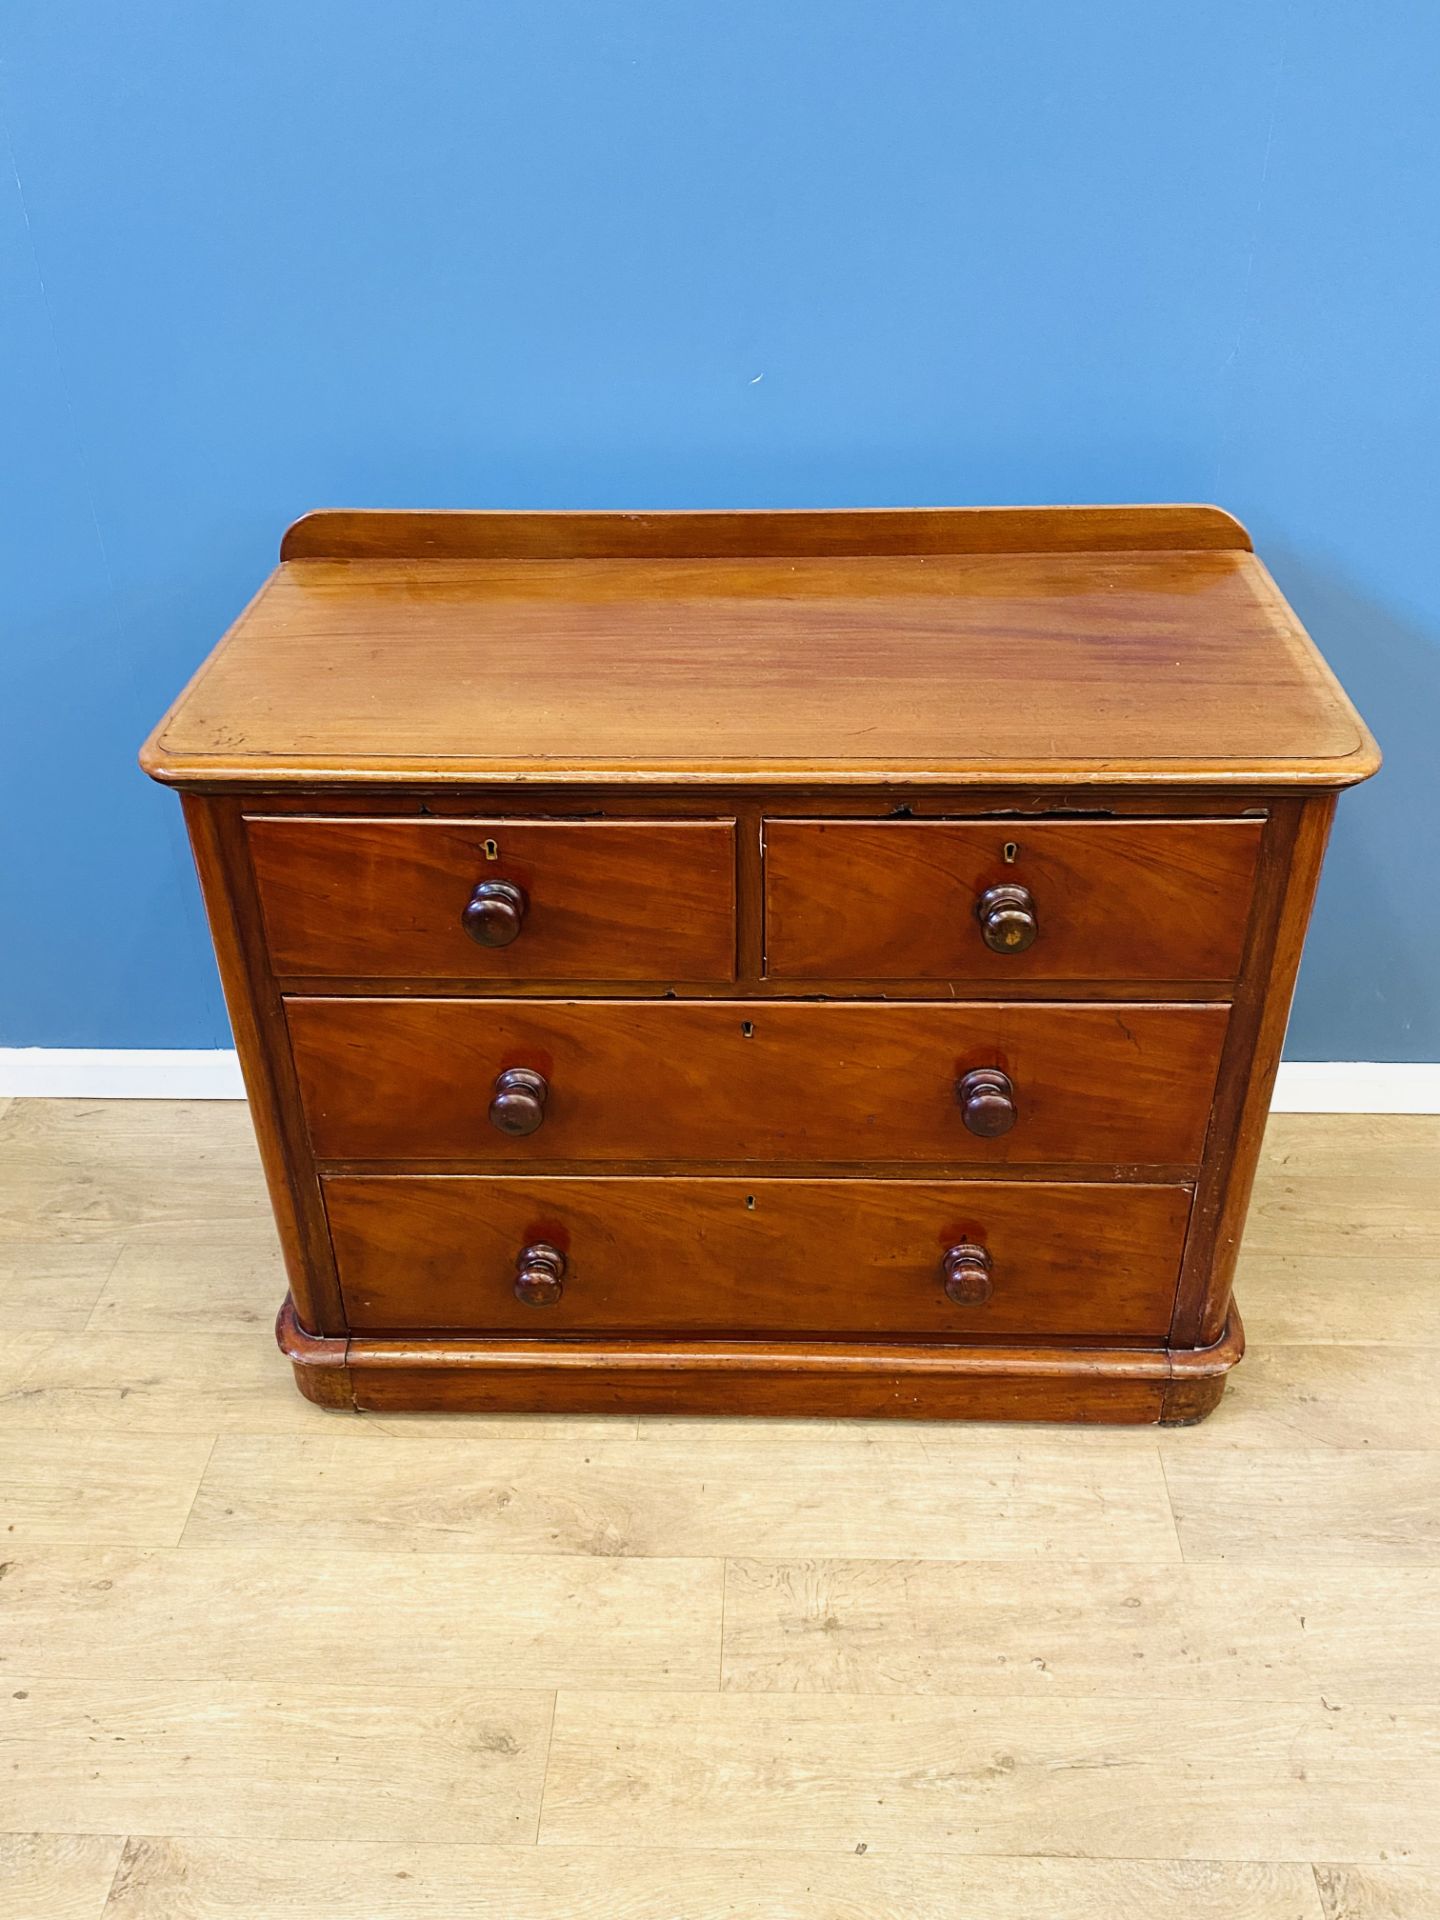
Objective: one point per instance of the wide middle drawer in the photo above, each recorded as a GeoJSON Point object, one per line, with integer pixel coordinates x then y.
{"type": "Point", "coordinates": [497, 901]}
{"type": "Point", "coordinates": [856, 1257]}
{"type": "Point", "coordinates": [747, 1082]}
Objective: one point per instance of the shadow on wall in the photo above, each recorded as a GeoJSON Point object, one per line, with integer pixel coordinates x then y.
{"type": "Point", "coordinates": [1369, 983]}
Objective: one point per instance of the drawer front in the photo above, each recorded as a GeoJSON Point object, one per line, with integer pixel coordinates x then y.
{"type": "Point", "coordinates": [748, 1082]}
{"type": "Point", "coordinates": [714, 1257]}
{"type": "Point", "coordinates": [590, 900]}
{"type": "Point", "coordinates": [1102, 900]}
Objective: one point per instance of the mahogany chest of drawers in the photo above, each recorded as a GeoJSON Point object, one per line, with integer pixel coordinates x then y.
{"type": "Point", "coordinates": [821, 962]}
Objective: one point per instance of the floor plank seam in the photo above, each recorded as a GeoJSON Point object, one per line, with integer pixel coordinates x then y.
{"type": "Point", "coordinates": [120, 1253]}
{"type": "Point", "coordinates": [1170, 1505]}
{"type": "Point", "coordinates": [105, 1904]}
{"type": "Point", "coordinates": [179, 1539]}
{"type": "Point", "coordinates": [545, 1768]}
{"type": "Point", "coordinates": [724, 1594]}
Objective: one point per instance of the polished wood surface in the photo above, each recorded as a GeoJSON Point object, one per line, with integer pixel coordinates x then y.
{"type": "Point", "coordinates": [234, 1616]}
{"type": "Point", "coordinates": [1116, 900]}
{"type": "Point", "coordinates": [755, 1081]}
{"type": "Point", "coordinates": [802, 1257]}
{"type": "Point", "coordinates": [600, 900]}
{"type": "Point", "coordinates": [1146, 662]}
{"type": "Point", "coordinates": [1114, 1386]}
{"type": "Point", "coordinates": [842, 855]}
{"type": "Point", "coordinates": [352, 534]}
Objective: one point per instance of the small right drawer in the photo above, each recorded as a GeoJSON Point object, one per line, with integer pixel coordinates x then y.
{"type": "Point", "coordinates": [1008, 901]}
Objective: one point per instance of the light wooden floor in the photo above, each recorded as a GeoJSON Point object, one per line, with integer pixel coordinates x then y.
{"type": "Point", "coordinates": [268, 1663]}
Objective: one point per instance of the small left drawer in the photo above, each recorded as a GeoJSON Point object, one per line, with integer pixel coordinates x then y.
{"type": "Point", "coordinates": [497, 901]}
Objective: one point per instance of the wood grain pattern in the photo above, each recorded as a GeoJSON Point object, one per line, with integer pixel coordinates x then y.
{"type": "Point", "coordinates": [257, 1019]}
{"type": "Point", "coordinates": [108, 1487]}
{"type": "Point", "coordinates": [1290, 873]}
{"type": "Point", "coordinates": [59, 1876]}
{"type": "Point", "coordinates": [1379, 1507]}
{"type": "Point", "coordinates": [1379, 1297]}
{"type": "Point", "coordinates": [652, 900]}
{"type": "Point", "coordinates": [1115, 900]}
{"type": "Point", "coordinates": [52, 1289]}
{"type": "Point", "coordinates": [759, 1082]}
{"type": "Point", "coordinates": [1039, 1381]}
{"type": "Point", "coordinates": [203, 1283]}
{"type": "Point", "coordinates": [717, 1256]}
{"type": "Point", "coordinates": [767, 669]}
{"type": "Point", "coordinates": [535, 1620]}
{"type": "Point", "coordinates": [672, 1499]}
{"type": "Point", "coordinates": [1357, 1635]}
{"type": "Point", "coordinates": [214, 1880]}
{"type": "Point", "coordinates": [1211, 1780]}
{"type": "Point", "coordinates": [290, 1759]}
{"type": "Point", "coordinates": [82, 1173]}
{"type": "Point", "coordinates": [355, 534]}
{"type": "Point", "coordinates": [1388, 1892]}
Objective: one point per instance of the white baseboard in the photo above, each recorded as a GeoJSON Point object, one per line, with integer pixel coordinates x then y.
{"type": "Point", "coordinates": [1357, 1086]}
{"type": "Point", "coordinates": [120, 1073]}
{"type": "Point", "coordinates": [179, 1073]}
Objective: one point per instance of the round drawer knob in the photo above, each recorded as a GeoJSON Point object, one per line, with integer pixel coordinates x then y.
{"type": "Point", "coordinates": [518, 1104]}
{"type": "Point", "coordinates": [539, 1275]}
{"type": "Point", "coordinates": [967, 1275]}
{"type": "Point", "coordinates": [987, 1101]}
{"type": "Point", "coordinates": [1007, 919]}
{"type": "Point", "coordinates": [495, 913]}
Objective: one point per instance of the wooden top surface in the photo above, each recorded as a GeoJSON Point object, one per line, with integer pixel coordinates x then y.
{"type": "Point", "coordinates": [992, 646]}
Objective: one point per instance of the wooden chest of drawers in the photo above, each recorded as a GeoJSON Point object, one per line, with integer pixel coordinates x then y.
{"type": "Point", "coordinates": [764, 962]}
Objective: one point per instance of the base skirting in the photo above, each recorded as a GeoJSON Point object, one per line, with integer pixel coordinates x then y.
{"type": "Point", "coordinates": [397, 1373]}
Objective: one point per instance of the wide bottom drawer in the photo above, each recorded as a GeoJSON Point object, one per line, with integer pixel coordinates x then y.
{"type": "Point", "coordinates": [963, 1260]}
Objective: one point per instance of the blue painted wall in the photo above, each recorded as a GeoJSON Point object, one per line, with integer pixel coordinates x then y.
{"type": "Point", "coordinates": [615, 253]}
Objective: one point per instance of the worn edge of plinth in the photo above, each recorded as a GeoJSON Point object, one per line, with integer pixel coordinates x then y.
{"type": "Point", "coordinates": [397, 1372]}
{"type": "Point", "coordinates": [319, 1360]}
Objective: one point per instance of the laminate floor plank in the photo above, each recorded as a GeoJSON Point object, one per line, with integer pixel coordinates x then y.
{"type": "Point", "coordinates": [1347, 1213]}
{"type": "Point", "coordinates": [105, 1489]}
{"type": "Point", "coordinates": [537, 1621]}
{"type": "Point", "coordinates": [1312, 1506]}
{"type": "Point", "coordinates": [57, 1876]}
{"type": "Point", "coordinates": [290, 1758]}
{"type": "Point", "coordinates": [1221, 1779]}
{"type": "Point", "coordinates": [1316, 1299]}
{"type": "Point", "coordinates": [1374, 1146]}
{"type": "Point", "coordinates": [688, 1497]}
{"type": "Point", "coordinates": [50, 1288]}
{"type": "Point", "coordinates": [165, 1879]}
{"type": "Point", "coordinates": [78, 1170]}
{"type": "Point", "coordinates": [1378, 1893]}
{"type": "Point", "coordinates": [194, 1379]}
{"type": "Point", "coordinates": [198, 1281]}
{"type": "Point", "coordinates": [1352, 1635]}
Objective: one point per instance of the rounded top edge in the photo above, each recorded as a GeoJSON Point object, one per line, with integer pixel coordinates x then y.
{"type": "Point", "coordinates": [370, 533]}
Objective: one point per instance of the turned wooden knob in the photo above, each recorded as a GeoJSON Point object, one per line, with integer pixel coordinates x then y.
{"type": "Point", "coordinates": [539, 1275]}
{"type": "Point", "coordinates": [967, 1275]}
{"type": "Point", "coordinates": [518, 1103]}
{"type": "Point", "coordinates": [1007, 918]}
{"type": "Point", "coordinates": [495, 913]}
{"type": "Point", "coordinates": [987, 1101]}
